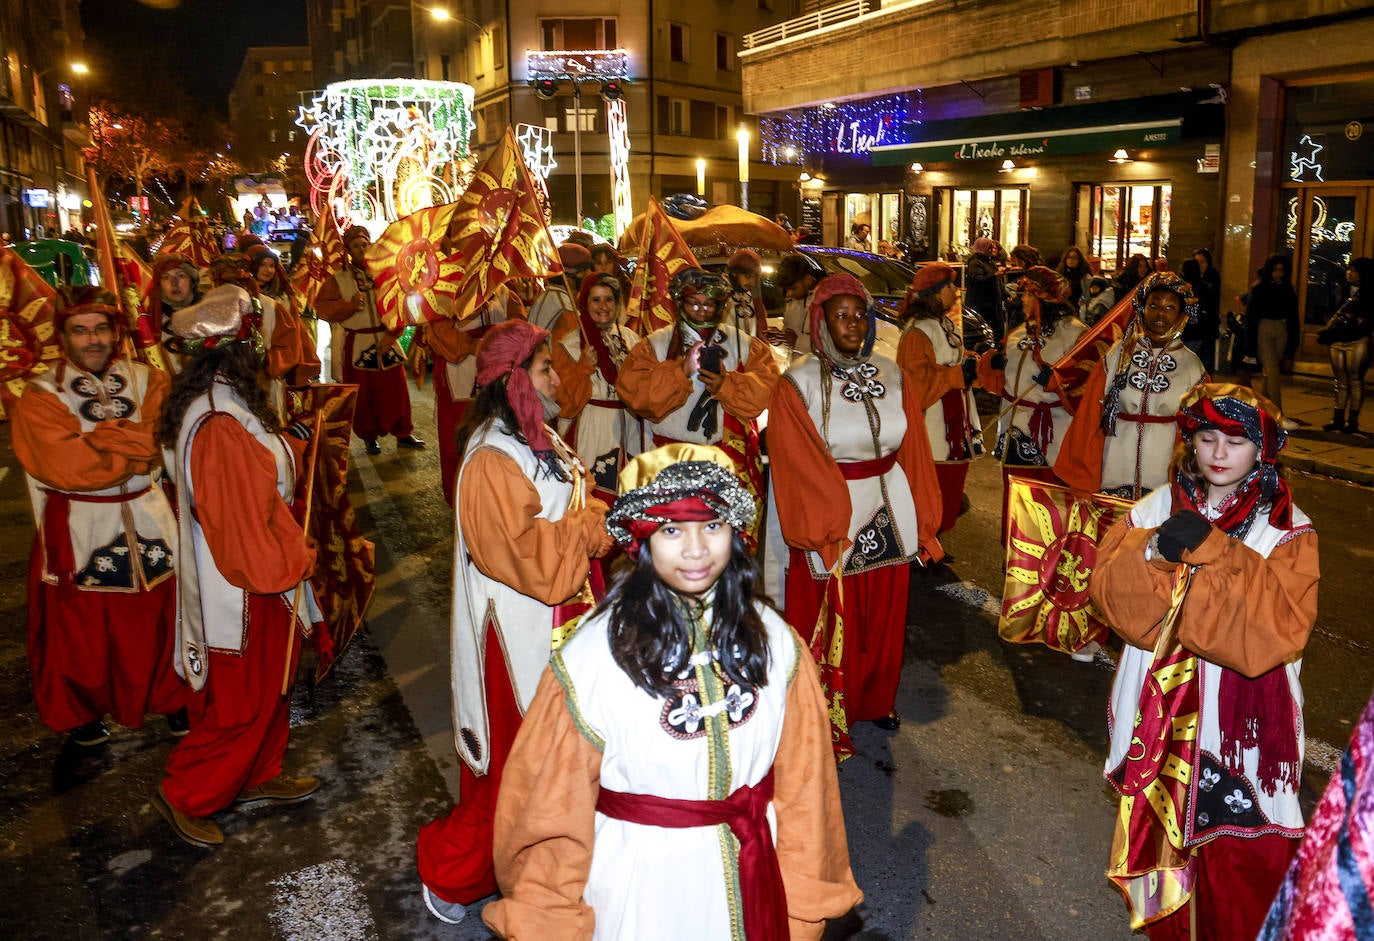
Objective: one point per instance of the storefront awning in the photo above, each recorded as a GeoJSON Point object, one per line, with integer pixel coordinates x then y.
{"type": "Point", "coordinates": [1105, 126]}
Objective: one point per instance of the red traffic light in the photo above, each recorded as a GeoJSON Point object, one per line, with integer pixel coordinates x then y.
{"type": "Point", "coordinates": [612, 91]}
{"type": "Point", "coordinates": [545, 88]}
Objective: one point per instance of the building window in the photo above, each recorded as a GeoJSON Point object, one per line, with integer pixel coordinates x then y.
{"type": "Point", "coordinates": [679, 116]}
{"type": "Point", "coordinates": [272, 135]}
{"type": "Point", "coordinates": [725, 59]}
{"type": "Point", "coordinates": [291, 136]}
{"type": "Point", "coordinates": [677, 42]}
{"type": "Point", "coordinates": [269, 67]}
{"type": "Point", "coordinates": [587, 33]}
{"type": "Point", "coordinates": [998, 214]}
{"type": "Point", "coordinates": [498, 47]}
{"type": "Point", "coordinates": [444, 61]}
{"type": "Point", "coordinates": [725, 124]}
{"type": "Point", "coordinates": [288, 66]}
{"type": "Point", "coordinates": [588, 119]}
{"type": "Point", "coordinates": [1124, 220]}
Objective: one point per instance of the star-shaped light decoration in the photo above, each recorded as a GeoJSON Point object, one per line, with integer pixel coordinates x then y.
{"type": "Point", "coordinates": [498, 231]}
{"type": "Point", "coordinates": [1050, 558]}
{"type": "Point", "coordinates": [415, 277]}
{"type": "Point", "coordinates": [29, 344]}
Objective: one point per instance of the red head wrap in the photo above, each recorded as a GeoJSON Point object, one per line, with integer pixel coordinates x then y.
{"type": "Point", "coordinates": [835, 285]}
{"type": "Point", "coordinates": [591, 331]}
{"type": "Point", "coordinates": [505, 348]}
{"type": "Point", "coordinates": [932, 277]}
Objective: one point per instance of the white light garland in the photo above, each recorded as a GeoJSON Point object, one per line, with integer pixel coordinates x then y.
{"type": "Point", "coordinates": [618, 128]}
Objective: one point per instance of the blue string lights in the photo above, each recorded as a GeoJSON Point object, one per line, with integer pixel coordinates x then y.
{"type": "Point", "coordinates": [850, 127]}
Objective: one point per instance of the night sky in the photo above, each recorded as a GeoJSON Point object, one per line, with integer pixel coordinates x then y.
{"type": "Point", "coordinates": [139, 46]}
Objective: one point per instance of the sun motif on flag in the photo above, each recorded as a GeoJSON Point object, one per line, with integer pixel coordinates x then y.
{"type": "Point", "coordinates": [1050, 560]}
{"type": "Point", "coordinates": [412, 274]}
{"type": "Point", "coordinates": [29, 345]}
{"type": "Point", "coordinates": [663, 253]}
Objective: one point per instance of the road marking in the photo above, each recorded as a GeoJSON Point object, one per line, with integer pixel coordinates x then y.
{"type": "Point", "coordinates": [322, 901]}
{"type": "Point", "coordinates": [1320, 756]}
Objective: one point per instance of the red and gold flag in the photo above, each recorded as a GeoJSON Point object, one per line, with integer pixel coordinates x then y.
{"type": "Point", "coordinates": [345, 576]}
{"type": "Point", "coordinates": [191, 236]}
{"type": "Point", "coordinates": [29, 344]}
{"type": "Point", "coordinates": [1073, 368]}
{"type": "Point", "coordinates": [415, 276]}
{"type": "Point", "coordinates": [662, 254]}
{"type": "Point", "coordinates": [827, 649]}
{"type": "Point", "coordinates": [498, 232]}
{"type": "Point", "coordinates": [324, 254]}
{"type": "Point", "coordinates": [1050, 557]}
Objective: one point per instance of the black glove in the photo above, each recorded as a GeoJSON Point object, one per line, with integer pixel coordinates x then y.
{"type": "Point", "coordinates": [999, 360]}
{"type": "Point", "coordinates": [1182, 532]}
{"type": "Point", "coordinates": [1042, 378]}
{"type": "Point", "coordinates": [970, 371]}
{"type": "Point", "coordinates": [1326, 337]}
{"type": "Point", "coordinates": [299, 430]}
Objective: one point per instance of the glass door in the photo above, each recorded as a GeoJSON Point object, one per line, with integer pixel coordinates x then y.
{"type": "Point", "coordinates": [1125, 219]}
{"type": "Point", "coordinates": [1322, 229]}
{"type": "Point", "coordinates": [998, 214]}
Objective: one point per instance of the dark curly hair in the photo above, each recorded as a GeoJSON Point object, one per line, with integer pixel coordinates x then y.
{"type": "Point", "coordinates": [238, 364]}
{"type": "Point", "coordinates": [650, 625]}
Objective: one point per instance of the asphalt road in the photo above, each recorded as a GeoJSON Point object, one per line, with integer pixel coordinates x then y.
{"type": "Point", "coordinates": [985, 816]}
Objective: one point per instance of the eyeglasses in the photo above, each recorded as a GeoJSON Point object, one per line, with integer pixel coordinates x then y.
{"type": "Point", "coordinates": [103, 332]}
{"type": "Point", "coordinates": [701, 305]}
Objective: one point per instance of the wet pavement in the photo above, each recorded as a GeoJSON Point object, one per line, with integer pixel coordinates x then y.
{"type": "Point", "coordinates": [985, 816]}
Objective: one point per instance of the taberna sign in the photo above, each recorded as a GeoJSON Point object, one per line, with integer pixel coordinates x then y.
{"type": "Point", "coordinates": [1076, 140]}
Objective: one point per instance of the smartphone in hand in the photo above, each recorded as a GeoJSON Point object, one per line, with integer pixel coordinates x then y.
{"type": "Point", "coordinates": [711, 357]}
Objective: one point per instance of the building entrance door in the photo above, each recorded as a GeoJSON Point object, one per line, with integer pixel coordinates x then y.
{"type": "Point", "coordinates": [1323, 227]}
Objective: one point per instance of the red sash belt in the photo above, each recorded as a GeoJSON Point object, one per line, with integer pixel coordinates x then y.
{"type": "Point", "coordinates": [745, 813]}
{"type": "Point", "coordinates": [1041, 424]}
{"type": "Point", "coordinates": [954, 405]}
{"type": "Point", "coordinates": [862, 470]}
{"type": "Point", "coordinates": [1147, 419]}
{"type": "Point", "coordinates": [59, 558]}
{"type": "Point", "coordinates": [606, 403]}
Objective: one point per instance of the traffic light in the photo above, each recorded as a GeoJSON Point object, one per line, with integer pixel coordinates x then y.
{"type": "Point", "coordinates": [545, 88]}
{"type": "Point", "coordinates": [612, 91]}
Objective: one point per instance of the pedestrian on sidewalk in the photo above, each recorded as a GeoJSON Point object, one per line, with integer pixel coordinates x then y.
{"type": "Point", "coordinates": [100, 620]}
{"type": "Point", "coordinates": [1271, 316]}
{"type": "Point", "coordinates": [1200, 336]}
{"type": "Point", "coordinates": [243, 562]}
{"type": "Point", "coordinates": [1212, 582]}
{"type": "Point", "coordinates": [526, 532]}
{"type": "Point", "coordinates": [674, 778]}
{"type": "Point", "coordinates": [1347, 333]}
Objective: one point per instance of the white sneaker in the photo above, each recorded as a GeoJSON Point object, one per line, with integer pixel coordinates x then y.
{"type": "Point", "coordinates": [1088, 653]}
{"type": "Point", "coordinates": [450, 913]}
{"type": "Point", "coordinates": [1288, 424]}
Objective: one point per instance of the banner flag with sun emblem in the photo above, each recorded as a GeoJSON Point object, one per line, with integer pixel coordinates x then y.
{"type": "Point", "coordinates": [662, 254]}
{"type": "Point", "coordinates": [191, 236]}
{"type": "Point", "coordinates": [415, 277]}
{"type": "Point", "coordinates": [29, 344]}
{"type": "Point", "coordinates": [498, 232]}
{"type": "Point", "coordinates": [324, 254]}
{"type": "Point", "coordinates": [1054, 534]}
{"type": "Point", "coordinates": [827, 650]}
{"type": "Point", "coordinates": [1070, 374]}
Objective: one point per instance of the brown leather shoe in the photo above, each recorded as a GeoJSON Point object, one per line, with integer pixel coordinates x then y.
{"type": "Point", "coordinates": [198, 831]}
{"type": "Point", "coordinates": [285, 788]}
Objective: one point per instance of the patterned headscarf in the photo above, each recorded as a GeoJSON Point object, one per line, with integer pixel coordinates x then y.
{"type": "Point", "coordinates": [1135, 331]}
{"type": "Point", "coordinates": [836, 285]}
{"type": "Point", "coordinates": [226, 314]}
{"type": "Point", "coordinates": [690, 281]}
{"type": "Point", "coordinates": [1166, 281]}
{"type": "Point", "coordinates": [1240, 412]}
{"type": "Point", "coordinates": [505, 348]}
{"type": "Point", "coordinates": [681, 482]}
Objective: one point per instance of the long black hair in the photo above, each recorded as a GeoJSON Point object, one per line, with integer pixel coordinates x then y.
{"type": "Point", "coordinates": [238, 364]}
{"type": "Point", "coordinates": [491, 402]}
{"type": "Point", "coordinates": [651, 625]}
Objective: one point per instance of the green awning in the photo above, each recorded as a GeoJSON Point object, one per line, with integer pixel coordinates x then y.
{"type": "Point", "coordinates": [1103, 126]}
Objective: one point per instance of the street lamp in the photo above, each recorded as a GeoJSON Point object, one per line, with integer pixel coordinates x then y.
{"type": "Point", "coordinates": [701, 177]}
{"type": "Point", "coordinates": [742, 135]}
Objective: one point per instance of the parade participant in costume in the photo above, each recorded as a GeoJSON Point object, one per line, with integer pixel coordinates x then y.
{"type": "Point", "coordinates": [747, 312]}
{"type": "Point", "coordinates": [614, 810]}
{"type": "Point", "coordinates": [685, 373]}
{"type": "Point", "coordinates": [1121, 440]}
{"type": "Point", "coordinates": [240, 579]}
{"type": "Point", "coordinates": [101, 596]}
{"type": "Point", "coordinates": [1031, 433]}
{"type": "Point", "coordinates": [560, 291]}
{"type": "Point", "coordinates": [453, 344]}
{"type": "Point", "coordinates": [300, 363]}
{"type": "Point", "coordinates": [284, 353]}
{"type": "Point", "coordinates": [525, 535]}
{"type": "Point", "coordinates": [1228, 565]}
{"type": "Point", "coordinates": [587, 356]}
{"type": "Point", "coordinates": [855, 482]}
{"type": "Point", "coordinates": [931, 353]}
{"type": "Point", "coordinates": [175, 284]}
{"type": "Point", "coordinates": [371, 354]}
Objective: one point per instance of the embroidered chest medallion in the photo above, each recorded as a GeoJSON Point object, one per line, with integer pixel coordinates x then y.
{"type": "Point", "coordinates": [1151, 373]}
{"type": "Point", "coordinates": [859, 383]}
{"type": "Point", "coordinates": [684, 713]}
{"type": "Point", "coordinates": [101, 399]}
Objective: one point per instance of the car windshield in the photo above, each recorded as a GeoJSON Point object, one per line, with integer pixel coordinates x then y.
{"type": "Point", "coordinates": [879, 275]}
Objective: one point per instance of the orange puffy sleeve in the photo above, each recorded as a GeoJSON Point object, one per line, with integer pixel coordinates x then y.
{"type": "Point", "coordinates": [253, 537]}
{"type": "Point", "coordinates": [51, 447]}
{"type": "Point", "coordinates": [545, 825]}
{"type": "Point", "coordinates": [992, 380]}
{"type": "Point", "coordinates": [447, 342]}
{"type": "Point", "coordinates": [289, 351]}
{"type": "Point", "coordinates": [330, 305]}
{"type": "Point", "coordinates": [544, 559]}
{"type": "Point", "coordinates": [652, 389]}
{"type": "Point", "coordinates": [813, 851]}
{"type": "Point", "coordinates": [1244, 611]}
{"type": "Point", "coordinates": [918, 461]}
{"type": "Point", "coordinates": [1080, 456]}
{"type": "Point", "coordinates": [574, 375]}
{"type": "Point", "coordinates": [916, 356]}
{"type": "Point", "coordinates": [812, 497]}
{"type": "Point", "coordinates": [745, 392]}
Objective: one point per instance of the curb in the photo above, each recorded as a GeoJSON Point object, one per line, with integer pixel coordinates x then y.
{"type": "Point", "coordinates": [1312, 465]}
